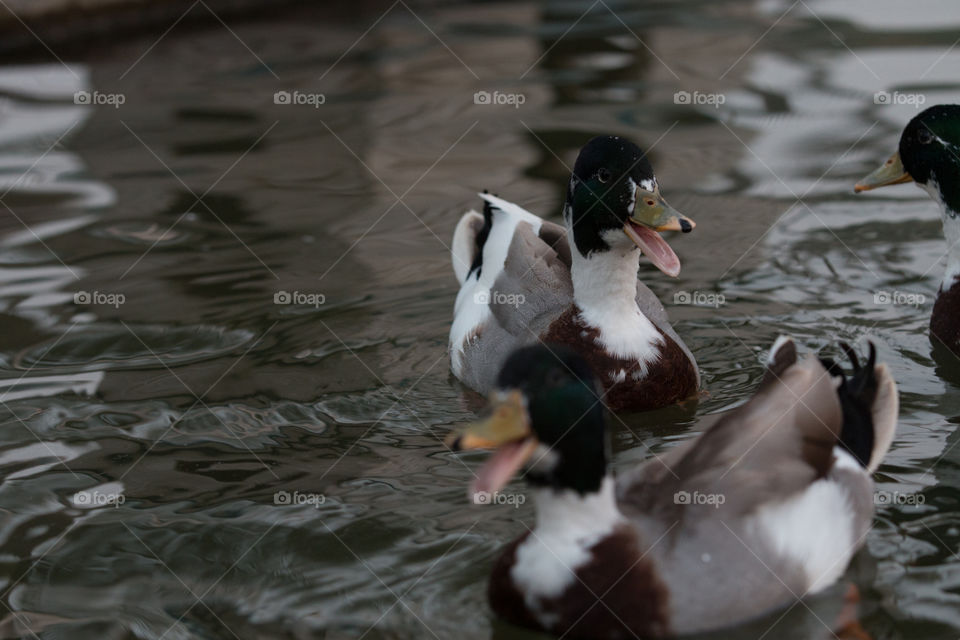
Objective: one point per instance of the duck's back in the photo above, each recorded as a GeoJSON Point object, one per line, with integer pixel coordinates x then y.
{"type": "Point", "coordinates": [771, 499]}
{"type": "Point", "coordinates": [518, 282]}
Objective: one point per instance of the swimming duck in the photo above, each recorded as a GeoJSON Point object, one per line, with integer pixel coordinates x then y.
{"type": "Point", "coordinates": [929, 155]}
{"type": "Point", "coordinates": [524, 279]}
{"type": "Point", "coordinates": [765, 506]}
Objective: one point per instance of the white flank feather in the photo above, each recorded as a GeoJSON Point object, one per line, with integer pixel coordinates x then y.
{"type": "Point", "coordinates": [814, 529]}
{"type": "Point", "coordinates": [462, 248]}
{"type": "Point", "coordinates": [472, 310]}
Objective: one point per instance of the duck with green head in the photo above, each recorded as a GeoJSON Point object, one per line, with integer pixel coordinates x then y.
{"type": "Point", "coordinates": [767, 505]}
{"type": "Point", "coordinates": [524, 279]}
{"type": "Point", "coordinates": [929, 155]}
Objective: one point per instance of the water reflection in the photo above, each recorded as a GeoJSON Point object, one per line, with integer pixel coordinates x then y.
{"type": "Point", "coordinates": [200, 397]}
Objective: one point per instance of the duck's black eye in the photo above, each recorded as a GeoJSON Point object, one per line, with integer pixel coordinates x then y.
{"type": "Point", "coordinates": [556, 378]}
{"type": "Point", "coordinates": [924, 136]}
{"type": "Point", "coordinates": [603, 175]}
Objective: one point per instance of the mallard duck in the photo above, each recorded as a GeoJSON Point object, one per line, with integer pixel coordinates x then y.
{"type": "Point", "coordinates": [764, 507]}
{"type": "Point", "coordinates": [525, 279]}
{"type": "Point", "coordinates": [929, 155]}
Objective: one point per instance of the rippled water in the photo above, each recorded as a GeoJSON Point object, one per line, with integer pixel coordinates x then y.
{"type": "Point", "coordinates": [143, 353]}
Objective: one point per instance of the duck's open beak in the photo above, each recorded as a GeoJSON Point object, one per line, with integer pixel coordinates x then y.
{"type": "Point", "coordinates": [506, 429]}
{"type": "Point", "coordinates": [891, 172]}
{"type": "Point", "coordinates": [651, 214]}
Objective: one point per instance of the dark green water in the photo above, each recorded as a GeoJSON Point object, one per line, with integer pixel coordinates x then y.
{"type": "Point", "coordinates": [198, 199]}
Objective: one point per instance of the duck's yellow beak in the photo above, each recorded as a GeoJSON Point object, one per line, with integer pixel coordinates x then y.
{"type": "Point", "coordinates": [507, 422]}
{"type": "Point", "coordinates": [508, 430]}
{"type": "Point", "coordinates": [653, 212]}
{"type": "Point", "coordinates": [891, 172]}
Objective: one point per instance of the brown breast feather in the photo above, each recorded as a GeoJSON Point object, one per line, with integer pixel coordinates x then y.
{"type": "Point", "coordinates": [669, 380]}
{"type": "Point", "coordinates": [617, 594]}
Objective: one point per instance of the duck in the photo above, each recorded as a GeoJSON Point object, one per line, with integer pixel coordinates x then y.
{"type": "Point", "coordinates": [524, 280]}
{"type": "Point", "coordinates": [766, 506]}
{"type": "Point", "coordinates": [929, 155]}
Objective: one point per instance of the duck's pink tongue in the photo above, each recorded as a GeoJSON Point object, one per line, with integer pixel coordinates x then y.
{"type": "Point", "coordinates": [502, 465]}
{"type": "Point", "coordinates": [655, 248]}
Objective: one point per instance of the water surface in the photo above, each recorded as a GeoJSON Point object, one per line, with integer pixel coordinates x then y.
{"type": "Point", "coordinates": [147, 350]}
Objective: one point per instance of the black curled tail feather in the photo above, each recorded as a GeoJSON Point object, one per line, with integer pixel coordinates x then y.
{"type": "Point", "coordinates": [857, 394]}
{"type": "Point", "coordinates": [481, 238]}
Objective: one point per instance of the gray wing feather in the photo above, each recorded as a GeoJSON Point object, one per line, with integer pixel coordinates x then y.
{"type": "Point", "coordinates": [776, 444]}
{"type": "Point", "coordinates": [533, 289]}
{"type": "Point", "coordinates": [534, 286]}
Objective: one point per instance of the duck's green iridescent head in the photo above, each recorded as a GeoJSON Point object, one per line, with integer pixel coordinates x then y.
{"type": "Point", "coordinates": [546, 414]}
{"type": "Point", "coordinates": [929, 155]}
{"type": "Point", "coordinates": [613, 192]}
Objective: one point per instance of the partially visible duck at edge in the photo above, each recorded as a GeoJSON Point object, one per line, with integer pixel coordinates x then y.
{"type": "Point", "coordinates": [524, 279]}
{"type": "Point", "coordinates": [929, 155]}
